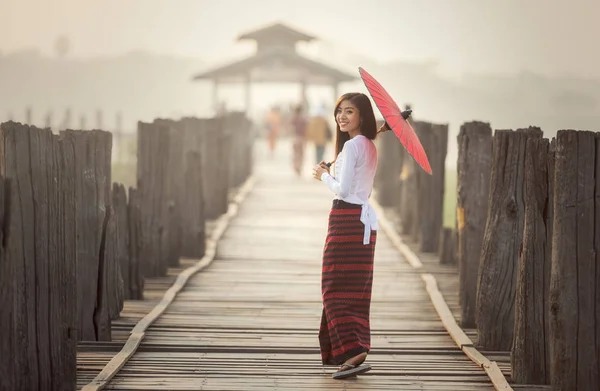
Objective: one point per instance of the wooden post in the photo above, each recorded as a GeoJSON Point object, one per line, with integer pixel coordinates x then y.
{"type": "Point", "coordinates": [48, 120]}
{"type": "Point", "coordinates": [118, 132]}
{"type": "Point", "coordinates": [224, 166]}
{"type": "Point", "coordinates": [502, 240]}
{"type": "Point", "coordinates": [419, 183]}
{"type": "Point", "coordinates": [447, 248]}
{"type": "Point", "coordinates": [575, 273]}
{"type": "Point", "coordinates": [530, 350]}
{"type": "Point", "coordinates": [136, 278]}
{"type": "Point", "coordinates": [194, 231]}
{"type": "Point", "coordinates": [152, 163]}
{"type": "Point", "coordinates": [119, 204]}
{"type": "Point", "coordinates": [95, 272]}
{"type": "Point", "coordinates": [7, 288]}
{"type": "Point", "coordinates": [473, 183]}
{"type": "Point", "coordinates": [431, 187]}
{"type": "Point", "coordinates": [174, 189]}
{"type": "Point", "coordinates": [28, 116]}
{"type": "Point", "coordinates": [211, 159]}
{"type": "Point", "coordinates": [37, 272]}
{"type": "Point", "coordinates": [390, 167]}
{"type": "Point", "coordinates": [407, 200]}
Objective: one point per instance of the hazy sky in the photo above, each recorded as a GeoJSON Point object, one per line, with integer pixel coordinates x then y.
{"type": "Point", "coordinates": [550, 36]}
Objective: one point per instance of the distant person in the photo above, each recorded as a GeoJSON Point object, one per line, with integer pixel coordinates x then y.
{"type": "Point", "coordinates": [319, 132]}
{"type": "Point", "coordinates": [298, 125]}
{"type": "Point", "coordinates": [347, 271]}
{"type": "Point", "coordinates": [273, 125]}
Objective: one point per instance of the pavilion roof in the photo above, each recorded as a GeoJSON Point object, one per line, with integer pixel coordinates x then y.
{"type": "Point", "coordinates": [277, 65]}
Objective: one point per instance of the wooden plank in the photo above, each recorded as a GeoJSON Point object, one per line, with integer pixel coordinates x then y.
{"type": "Point", "coordinates": [457, 334]}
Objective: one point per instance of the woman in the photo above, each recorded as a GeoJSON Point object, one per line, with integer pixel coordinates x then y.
{"type": "Point", "coordinates": [347, 274]}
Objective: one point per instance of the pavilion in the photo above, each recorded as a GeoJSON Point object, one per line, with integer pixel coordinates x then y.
{"type": "Point", "coordinates": [275, 61]}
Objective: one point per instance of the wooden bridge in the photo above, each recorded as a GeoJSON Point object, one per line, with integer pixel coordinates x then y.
{"type": "Point", "coordinates": [248, 320]}
{"type": "Point", "coordinates": [207, 276]}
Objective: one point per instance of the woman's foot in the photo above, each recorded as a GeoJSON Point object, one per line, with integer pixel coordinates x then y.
{"type": "Point", "coordinates": [355, 361]}
{"type": "Point", "coordinates": [352, 367]}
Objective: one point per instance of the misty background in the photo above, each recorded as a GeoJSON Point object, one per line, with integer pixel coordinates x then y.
{"type": "Point", "coordinates": [511, 63]}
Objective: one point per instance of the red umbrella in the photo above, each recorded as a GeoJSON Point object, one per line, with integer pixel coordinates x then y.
{"type": "Point", "coordinates": [396, 119]}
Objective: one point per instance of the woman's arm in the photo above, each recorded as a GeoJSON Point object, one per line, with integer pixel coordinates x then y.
{"type": "Point", "coordinates": [341, 186]}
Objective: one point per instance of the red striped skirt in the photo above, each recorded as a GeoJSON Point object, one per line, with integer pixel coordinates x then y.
{"type": "Point", "coordinates": [346, 281]}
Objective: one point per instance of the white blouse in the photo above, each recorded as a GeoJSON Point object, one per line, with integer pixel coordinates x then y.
{"type": "Point", "coordinates": [354, 171]}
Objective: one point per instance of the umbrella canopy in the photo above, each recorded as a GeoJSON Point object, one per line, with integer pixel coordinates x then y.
{"type": "Point", "coordinates": [396, 120]}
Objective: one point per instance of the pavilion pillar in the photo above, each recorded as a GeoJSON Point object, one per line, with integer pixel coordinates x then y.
{"type": "Point", "coordinates": [215, 95]}
{"type": "Point", "coordinates": [335, 90]}
{"type": "Point", "coordinates": [303, 98]}
{"type": "Point", "coordinates": [247, 91]}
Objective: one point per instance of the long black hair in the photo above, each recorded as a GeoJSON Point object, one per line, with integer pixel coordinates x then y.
{"type": "Point", "coordinates": [368, 124]}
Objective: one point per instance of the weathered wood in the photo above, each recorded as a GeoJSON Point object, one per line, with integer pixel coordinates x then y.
{"type": "Point", "coordinates": [389, 168]}
{"type": "Point", "coordinates": [174, 189]}
{"type": "Point", "coordinates": [211, 161]}
{"type": "Point", "coordinates": [431, 187]}
{"type": "Point", "coordinates": [223, 167]}
{"type": "Point", "coordinates": [92, 180]}
{"type": "Point", "coordinates": [194, 222]}
{"type": "Point", "coordinates": [104, 310]}
{"type": "Point", "coordinates": [407, 203]}
{"type": "Point", "coordinates": [531, 339]}
{"type": "Point", "coordinates": [502, 240]}
{"type": "Point", "coordinates": [134, 219]}
{"type": "Point", "coordinates": [7, 287]}
{"type": "Point", "coordinates": [256, 334]}
{"type": "Point", "coordinates": [447, 247]}
{"type": "Point", "coordinates": [119, 206]}
{"type": "Point", "coordinates": [38, 262]}
{"type": "Point", "coordinates": [239, 126]}
{"type": "Point", "coordinates": [473, 182]}
{"type": "Point", "coordinates": [574, 280]}
{"type": "Point", "coordinates": [64, 287]}
{"type": "Point", "coordinates": [152, 163]}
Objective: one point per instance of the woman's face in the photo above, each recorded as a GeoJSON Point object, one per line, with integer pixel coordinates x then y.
{"type": "Point", "coordinates": [347, 117]}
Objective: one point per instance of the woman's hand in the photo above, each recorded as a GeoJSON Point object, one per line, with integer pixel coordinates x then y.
{"type": "Point", "coordinates": [319, 170]}
{"type": "Point", "coordinates": [384, 128]}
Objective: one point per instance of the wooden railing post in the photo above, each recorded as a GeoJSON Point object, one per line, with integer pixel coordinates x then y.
{"type": "Point", "coordinates": [389, 169]}
{"type": "Point", "coordinates": [134, 221]}
{"type": "Point", "coordinates": [38, 332]}
{"type": "Point", "coordinates": [407, 202]}
{"type": "Point", "coordinates": [7, 289]}
{"type": "Point", "coordinates": [502, 240]}
{"type": "Point", "coordinates": [152, 163]}
{"type": "Point", "coordinates": [447, 251]}
{"type": "Point", "coordinates": [431, 187]}
{"type": "Point", "coordinates": [473, 183]}
{"type": "Point", "coordinates": [119, 205]}
{"type": "Point", "coordinates": [575, 271]}
{"type": "Point", "coordinates": [194, 221]}
{"type": "Point", "coordinates": [530, 349]}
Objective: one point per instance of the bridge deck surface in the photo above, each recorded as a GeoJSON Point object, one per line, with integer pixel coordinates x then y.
{"type": "Point", "coordinates": [249, 321]}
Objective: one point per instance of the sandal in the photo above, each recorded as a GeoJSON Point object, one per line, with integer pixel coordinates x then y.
{"type": "Point", "coordinates": [353, 371]}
